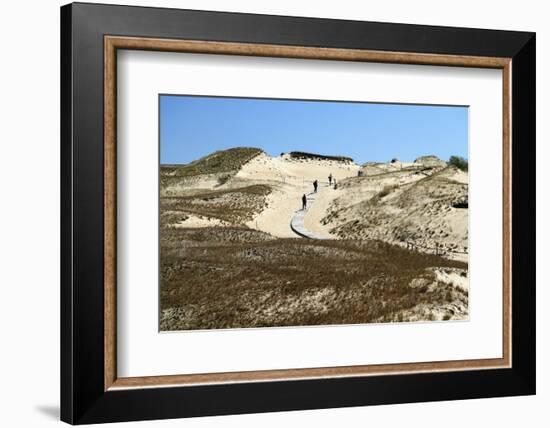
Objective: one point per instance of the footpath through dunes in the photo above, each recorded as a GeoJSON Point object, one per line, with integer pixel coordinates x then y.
{"type": "Point", "coordinates": [289, 178]}
{"type": "Point", "coordinates": [245, 186]}
{"type": "Point", "coordinates": [297, 222]}
{"type": "Point", "coordinates": [421, 205]}
{"type": "Point", "coordinates": [225, 262]}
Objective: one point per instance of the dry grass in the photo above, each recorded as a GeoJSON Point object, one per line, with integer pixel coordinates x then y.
{"type": "Point", "coordinates": [232, 277]}
{"type": "Point", "coordinates": [420, 211]}
{"type": "Point", "coordinates": [223, 161]}
{"type": "Point", "coordinates": [222, 274]}
{"type": "Point", "coordinates": [235, 206]}
{"type": "Point", "coordinates": [383, 193]}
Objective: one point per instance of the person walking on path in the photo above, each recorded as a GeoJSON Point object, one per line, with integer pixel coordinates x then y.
{"type": "Point", "coordinates": [330, 179]}
{"type": "Point", "coordinates": [315, 186]}
{"type": "Point", "coordinates": [304, 202]}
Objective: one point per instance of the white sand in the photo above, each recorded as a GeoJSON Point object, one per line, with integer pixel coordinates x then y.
{"type": "Point", "coordinates": [275, 219]}
{"type": "Point", "coordinates": [195, 221]}
{"type": "Point", "coordinates": [291, 179]}
{"type": "Point", "coordinates": [451, 277]}
{"type": "Point", "coordinates": [312, 220]}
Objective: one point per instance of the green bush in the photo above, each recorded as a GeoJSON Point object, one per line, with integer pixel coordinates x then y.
{"type": "Point", "coordinates": [459, 162]}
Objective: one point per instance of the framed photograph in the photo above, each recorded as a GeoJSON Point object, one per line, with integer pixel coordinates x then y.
{"type": "Point", "coordinates": [266, 213]}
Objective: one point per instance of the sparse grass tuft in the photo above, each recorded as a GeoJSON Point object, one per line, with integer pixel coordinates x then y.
{"type": "Point", "coordinates": [387, 190]}
{"type": "Point", "coordinates": [223, 179]}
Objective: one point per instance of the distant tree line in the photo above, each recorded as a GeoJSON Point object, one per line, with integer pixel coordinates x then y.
{"type": "Point", "coordinates": [305, 155]}
{"type": "Point", "coordinates": [459, 162]}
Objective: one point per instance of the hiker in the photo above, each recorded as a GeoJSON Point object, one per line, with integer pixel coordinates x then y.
{"type": "Point", "coordinates": [315, 186]}
{"type": "Point", "coordinates": [304, 202]}
{"type": "Point", "coordinates": [330, 179]}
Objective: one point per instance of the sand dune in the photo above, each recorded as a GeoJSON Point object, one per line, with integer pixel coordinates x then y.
{"type": "Point", "coordinates": [290, 178]}
{"type": "Point", "coordinates": [422, 209]}
{"type": "Point", "coordinates": [419, 204]}
{"type": "Point", "coordinates": [225, 262]}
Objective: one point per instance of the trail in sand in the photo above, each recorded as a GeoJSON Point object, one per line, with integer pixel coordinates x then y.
{"type": "Point", "coordinates": [297, 222]}
{"type": "Point", "coordinates": [290, 179]}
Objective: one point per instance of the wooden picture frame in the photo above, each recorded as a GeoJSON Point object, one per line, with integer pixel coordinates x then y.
{"type": "Point", "coordinates": [91, 390]}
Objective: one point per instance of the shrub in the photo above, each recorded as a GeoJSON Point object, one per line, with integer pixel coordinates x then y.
{"type": "Point", "coordinates": [459, 162]}
{"type": "Point", "coordinates": [387, 190]}
{"type": "Point", "coordinates": [223, 179]}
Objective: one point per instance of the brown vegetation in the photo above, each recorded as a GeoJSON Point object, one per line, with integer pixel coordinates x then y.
{"type": "Point", "coordinates": [420, 206]}
{"type": "Point", "coordinates": [230, 277]}
{"type": "Point", "coordinates": [218, 162]}
{"type": "Point", "coordinates": [235, 206]}
{"type": "Point", "coordinates": [222, 266]}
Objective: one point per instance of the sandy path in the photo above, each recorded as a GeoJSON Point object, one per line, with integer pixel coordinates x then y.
{"type": "Point", "coordinates": [319, 210]}
{"type": "Point", "coordinates": [282, 203]}
{"type": "Point", "coordinates": [297, 221]}
{"type": "Point", "coordinates": [290, 179]}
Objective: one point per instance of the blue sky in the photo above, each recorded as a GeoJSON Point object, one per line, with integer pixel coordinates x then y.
{"type": "Point", "coordinates": [192, 127]}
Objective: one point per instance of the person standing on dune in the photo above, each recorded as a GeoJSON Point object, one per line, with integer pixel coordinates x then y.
{"type": "Point", "coordinates": [315, 186]}
{"type": "Point", "coordinates": [330, 179]}
{"type": "Point", "coordinates": [304, 202]}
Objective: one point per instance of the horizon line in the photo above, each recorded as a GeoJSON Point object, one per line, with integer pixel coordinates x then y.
{"type": "Point", "coordinates": [314, 154]}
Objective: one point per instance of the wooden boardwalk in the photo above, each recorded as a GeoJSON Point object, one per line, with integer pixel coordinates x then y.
{"type": "Point", "coordinates": [297, 221]}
